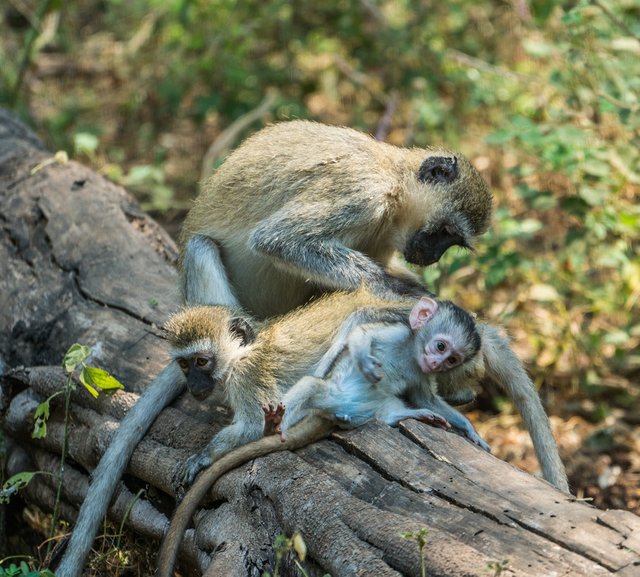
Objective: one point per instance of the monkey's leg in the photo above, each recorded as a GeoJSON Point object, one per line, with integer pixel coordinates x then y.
{"type": "Point", "coordinates": [304, 240]}
{"type": "Point", "coordinates": [241, 431]}
{"type": "Point", "coordinates": [203, 276]}
{"type": "Point", "coordinates": [104, 479]}
{"type": "Point", "coordinates": [306, 395]}
{"type": "Point", "coordinates": [503, 366]}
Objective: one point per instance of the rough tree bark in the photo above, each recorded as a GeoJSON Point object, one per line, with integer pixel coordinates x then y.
{"type": "Point", "coordinates": [79, 262]}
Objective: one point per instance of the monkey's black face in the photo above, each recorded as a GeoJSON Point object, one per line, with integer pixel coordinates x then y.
{"type": "Point", "coordinates": [199, 369]}
{"type": "Point", "coordinates": [426, 247]}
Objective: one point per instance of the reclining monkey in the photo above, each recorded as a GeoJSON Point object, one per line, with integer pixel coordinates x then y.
{"type": "Point", "coordinates": [377, 365]}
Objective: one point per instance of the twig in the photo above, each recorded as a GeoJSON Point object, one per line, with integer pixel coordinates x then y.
{"type": "Point", "coordinates": [385, 122]}
{"type": "Point", "coordinates": [34, 32]}
{"type": "Point", "coordinates": [617, 21]}
{"type": "Point", "coordinates": [228, 136]}
{"type": "Point", "coordinates": [472, 61]}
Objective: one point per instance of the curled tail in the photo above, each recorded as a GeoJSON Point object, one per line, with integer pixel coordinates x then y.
{"type": "Point", "coordinates": [309, 431]}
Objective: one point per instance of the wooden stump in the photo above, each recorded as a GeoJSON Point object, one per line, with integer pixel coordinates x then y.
{"type": "Point", "coordinates": [79, 262]}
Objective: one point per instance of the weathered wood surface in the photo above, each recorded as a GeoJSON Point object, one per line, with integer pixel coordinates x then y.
{"type": "Point", "coordinates": [80, 262]}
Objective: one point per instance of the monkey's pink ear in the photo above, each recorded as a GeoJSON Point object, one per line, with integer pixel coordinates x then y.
{"type": "Point", "coordinates": [422, 312]}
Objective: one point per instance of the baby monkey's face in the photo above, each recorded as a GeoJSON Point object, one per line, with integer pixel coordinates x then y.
{"type": "Point", "coordinates": [439, 354]}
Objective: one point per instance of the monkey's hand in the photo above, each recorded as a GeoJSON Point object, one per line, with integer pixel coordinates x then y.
{"type": "Point", "coordinates": [273, 420]}
{"type": "Point", "coordinates": [371, 368]}
{"type": "Point", "coordinates": [193, 465]}
{"type": "Point", "coordinates": [404, 287]}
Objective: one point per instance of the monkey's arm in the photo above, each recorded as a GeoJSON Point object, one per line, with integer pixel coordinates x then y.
{"type": "Point", "coordinates": [365, 315]}
{"type": "Point", "coordinates": [308, 431]}
{"type": "Point", "coordinates": [359, 344]}
{"type": "Point", "coordinates": [304, 238]}
{"type": "Point", "coordinates": [386, 336]}
{"type": "Point", "coordinates": [503, 366]}
{"type": "Point", "coordinates": [247, 426]}
{"type": "Point", "coordinates": [203, 278]}
{"type": "Point", "coordinates": [104, 479]}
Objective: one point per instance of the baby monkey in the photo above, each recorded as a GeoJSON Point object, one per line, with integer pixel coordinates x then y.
{"type": "Point", "coordinates": [382, 369]}
{"type": "Point", "coordinates": [388, 370]}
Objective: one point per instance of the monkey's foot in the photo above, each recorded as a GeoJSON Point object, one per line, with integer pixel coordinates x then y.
{"type": "Point", "coordinates": [193, 465]}
{"type": "Point", "coordinates": [472, 435]}
{"type": "Point", "coordinates": [273, 420]}
{"type": "Point", "coordinates": [431, 418]}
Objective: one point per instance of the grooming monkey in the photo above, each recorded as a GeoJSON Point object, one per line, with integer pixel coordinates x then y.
{"type": "Point", "coordinates": [376, 364]}
{"type": "Point", "coordinates": [301, 208]}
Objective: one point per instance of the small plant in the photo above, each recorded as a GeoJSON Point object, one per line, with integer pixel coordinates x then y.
{"type": "Point", "coordinates": [93, 379]}
{"type": "Point", "coordinates": [23, 570]}
{"type": "Point", "coordinates": [420, 537]}
{"type": "Point", "coordinates": [498, 567]}
{"type": "Point", "coordinates": [284, 546]}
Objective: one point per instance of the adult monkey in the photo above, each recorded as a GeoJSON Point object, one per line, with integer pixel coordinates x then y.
{"type": "Point", "coordinates": [302, 208]}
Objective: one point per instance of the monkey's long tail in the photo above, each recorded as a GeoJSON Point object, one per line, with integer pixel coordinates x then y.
{"type": "Point", "coordinates": [160, 393]}
{"type": "Point", "coordinates": [308, 431]}
{"type": "Point", "coordinates": [504, 367]}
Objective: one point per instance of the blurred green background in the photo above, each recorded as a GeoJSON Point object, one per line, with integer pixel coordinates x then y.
{"type": "Point", "coordinates": [542, 96]}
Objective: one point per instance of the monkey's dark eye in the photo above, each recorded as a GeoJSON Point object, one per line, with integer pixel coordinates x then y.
{"type": "Point", "coordinates": [441, 346]}
{"type": "Point", "coordinates": [438, 170]}
{"type": "Point", "coordinates": [183, 363]}
{"type": "Point", "coordinates": [202, 361]}
{"type": "Point", "coordinates": [452, 361]}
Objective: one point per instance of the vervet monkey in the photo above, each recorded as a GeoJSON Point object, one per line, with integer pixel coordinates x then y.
{"type": "Point", "coordinates": [385, 366]}
{"type": "Point", "coordinates": [261, 371]}
{"type": "Point", "coordinates": [202, 350]}
{"type": "Point", "coordinates": [291, 347]}
{"type": "Point", "coordinates": [301, 208]}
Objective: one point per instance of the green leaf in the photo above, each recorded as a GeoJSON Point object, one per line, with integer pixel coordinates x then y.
{"type": "Point", "coordinates": [101, 379]}
{"type": "Point", "coordinates": [40, 420]}
{"type": "Point", "coordinates": [75, 356]}
{"type": "Point", "coordinates": [13, 484]}
{"type": "Point", "coordinates": [85, 379]}
{"type": "Point", "coordinates": [85, 143]}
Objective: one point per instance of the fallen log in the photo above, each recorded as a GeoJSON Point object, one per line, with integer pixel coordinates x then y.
{"type": "Point", "coordinates": [79, 262]}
